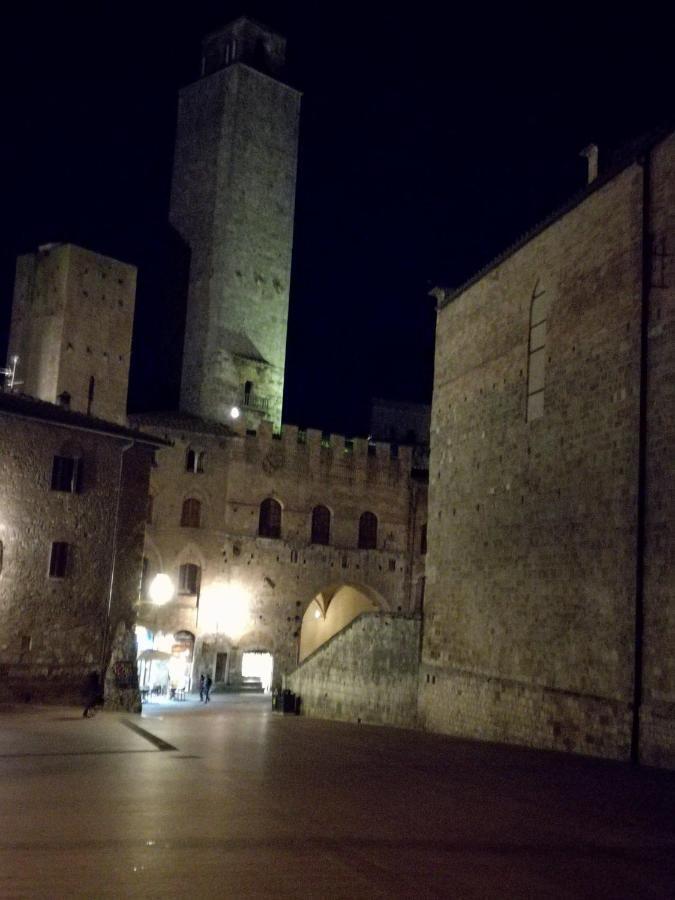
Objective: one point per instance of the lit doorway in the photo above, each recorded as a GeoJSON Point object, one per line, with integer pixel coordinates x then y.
{"type": "Point", "coordinates": [258, 665]}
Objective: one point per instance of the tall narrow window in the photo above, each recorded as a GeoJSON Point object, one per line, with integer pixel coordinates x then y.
{"type": "Point", "coordinates": [191, 513]}
{"type": "Point", "coordinates": [66, 474]}
{"type": "Point", "coordinates": [321, 525]}
{"type": "Point", "coordinates": [58, 561]}
{"type": "Point", "coordinates": [269, 523]}
{"type": "Point", "coordinates": [189, 578]}
{"type": "Point", "coordinates": [368, 531]}
{"type": "Point", "coordinates": [423, 539]}
{"type": "Point", "coordinates": [1, 555]}
{"type": "Point", "coordinates": [194, 460]}
{"type": "Point", "coordinates": [90, 394]}
{"type": "Point", "coordinates": [536, 364]}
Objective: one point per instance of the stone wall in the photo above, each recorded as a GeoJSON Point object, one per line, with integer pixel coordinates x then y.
{"type": "Point", "coordinates": [366, 673]}
{"type": "Point", "coordinates": [529, 629]}
{"type": "Point", "coordinates": [53, 629]}
{"type": "Point", "coordinates": [268, 581]}
{"type": "Point", "coordinates": [72, 319]}
{"type": "Point", "coordinates": [233, 201]}
{"type": "Point", "coordinates": [657, 744]}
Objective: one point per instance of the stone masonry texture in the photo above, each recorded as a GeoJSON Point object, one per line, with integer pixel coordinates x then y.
{"type": "Point", "coordinates": [367, 673]}
{"type": "Point", "coordinates": [276, 579]}
{"type": "Point", "coordinates": [54, 630]}
{"type": "Point", "coordinates": [529, 631]}
{"type": "Point", "coordinates": [72, 318]}
{"type": "Point", "coordinates": [232, 202]}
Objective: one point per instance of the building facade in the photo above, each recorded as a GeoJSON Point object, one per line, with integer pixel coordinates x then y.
{"type": "Point", "coordinates": [550, 607]}
{"type": "Point", "coordinates": [274, 542]}
{"type": "Point", "coordinates": [72, 519]}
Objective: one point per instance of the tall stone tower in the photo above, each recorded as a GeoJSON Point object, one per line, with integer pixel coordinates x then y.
{"type": "Point", "coordinates": [232, 202]}
{"type": "Point", "coordinates": [72, 319]}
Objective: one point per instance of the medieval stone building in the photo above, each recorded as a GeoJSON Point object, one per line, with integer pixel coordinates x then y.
{"type": "Point", "coordinates": [273, 538]}
{"type": "Point", "coordinates": [72, 485]}
{"type": "Point", "coordinates": [550, 607]}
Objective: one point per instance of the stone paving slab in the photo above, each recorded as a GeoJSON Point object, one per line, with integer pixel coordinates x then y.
{"type": "Point", "coordinates": [253, 804]}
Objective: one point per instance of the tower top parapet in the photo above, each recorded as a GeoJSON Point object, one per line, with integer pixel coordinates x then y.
{"type": "Point", "coordinates": [244, 41]}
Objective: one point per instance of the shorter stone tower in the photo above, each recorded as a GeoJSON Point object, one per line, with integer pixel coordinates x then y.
{"type": "Point", "coordinates": [72, 319]}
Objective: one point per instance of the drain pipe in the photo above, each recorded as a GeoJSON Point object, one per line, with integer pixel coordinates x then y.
{"type": "Point", "coordinates": [642, 457]}
{"type": "Point", "coordinates": [113, 562]}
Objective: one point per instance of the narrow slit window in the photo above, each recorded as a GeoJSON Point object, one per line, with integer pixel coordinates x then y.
{"type": "Point", "coordinates": [536, 364]}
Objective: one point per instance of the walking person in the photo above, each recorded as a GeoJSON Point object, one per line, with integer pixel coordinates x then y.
{"type": "Point", "coordinates": [207, 688]}
{"type": "Point", "coordinates": [201, 687]}
{"type": "Point", "coordinates": [92, 694]}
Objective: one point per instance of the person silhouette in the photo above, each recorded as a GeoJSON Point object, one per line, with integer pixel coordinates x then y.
{"type": "Point", "coordinates": [207, 689]}
{"type": "Point", "coordinates": [201, 687]}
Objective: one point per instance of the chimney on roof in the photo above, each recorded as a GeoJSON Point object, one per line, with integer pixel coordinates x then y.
{"type": "Point", "coordinates": [591, 154]}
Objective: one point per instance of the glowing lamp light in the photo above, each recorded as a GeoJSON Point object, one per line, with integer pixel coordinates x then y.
{"type": "Point", "coordinates": [234, 412]}
{"type": "Point", "coordinates": [226, 609]}
{"type": "Point", "coordinates": [161, 589]}
{"type": "Point", "coordinates": [317, 613]}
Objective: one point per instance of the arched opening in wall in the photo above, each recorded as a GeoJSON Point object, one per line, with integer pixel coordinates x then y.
{"type": "Point", "coordinates": [320, 525]}
{"type": "Point", "coordinates": [368, 531]}
{"type": "Point", "coordinates": [269, 522]}
{"type": "Point", "coordinates": [257, 666]}
{"type": "Point", "coordinates": [331, 610]}
{"type": "Point", "coordinates": [164, 664]}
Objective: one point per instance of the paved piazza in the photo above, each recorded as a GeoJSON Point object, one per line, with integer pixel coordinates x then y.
{"type": "Point", "coordinates": [232, 800]}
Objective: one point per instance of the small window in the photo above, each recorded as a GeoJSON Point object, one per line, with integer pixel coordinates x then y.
{"type": "Point", "coordinates": [423, 539]}
{"type": "Point", "coordinates": [25, 643]}
{"type": "Point", "coordinates": [1, 555]}
{"type": "Point", "coordinates": [189, 578]}
{"type": "Point", "coordinates": [194, 460]}
{"type": "Point", "coordinates": [66, 474]}
{"type": "Point", "coordinates": [368, 531]}
{"type": "Point", "coordinates": [191, 513]}
{"type": "Point", "coordinates": [392, 565]}
{"type": "Point", "coordinates": [320, 525]}
{"type": "Point", "coordinates": [269, 523]}
{"type": "Point", "coordinates": [540, 305]}
{"type": "Point", "coordinates": [58, 561]}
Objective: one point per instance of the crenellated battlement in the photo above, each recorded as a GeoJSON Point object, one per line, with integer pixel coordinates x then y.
{"type": "Point", "coordinates": [317, 451]}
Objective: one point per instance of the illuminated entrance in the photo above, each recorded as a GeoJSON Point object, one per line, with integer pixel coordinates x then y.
{"type": "Point", "coordinates": [258, 665]}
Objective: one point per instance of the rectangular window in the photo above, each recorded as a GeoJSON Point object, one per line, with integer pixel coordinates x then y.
{"type": "Point", "coordinates": [66, 474]}
{"type": "Point", "coordinates": [58, 561]}
{"type": "Point", "coordinates": [189, 577]}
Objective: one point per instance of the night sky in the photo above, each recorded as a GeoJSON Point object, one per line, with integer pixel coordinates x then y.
{"type": "Point", "coordinates": [429, 142]}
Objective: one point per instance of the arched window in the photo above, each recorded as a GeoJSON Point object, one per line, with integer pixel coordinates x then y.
{"type": "Point", "coordinates": [269, 524]}
{"type": "Point", "coordinates": [189, 578]}
{"type": "Point", "coordinates": [191, 514]}
{"type": "Point", "coordinates": [194, 460]}
{"type": "Point", "coordinates": [321, 525]}
{"type": "Point", "coordinates": [368, 531]}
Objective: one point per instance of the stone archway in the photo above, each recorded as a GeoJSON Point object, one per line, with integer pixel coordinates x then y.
{"type": "Point", "coordinates": [331, 610]}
